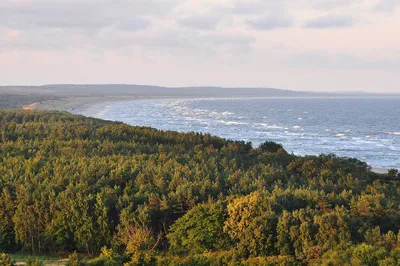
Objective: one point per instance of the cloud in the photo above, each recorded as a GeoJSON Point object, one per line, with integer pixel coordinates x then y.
{"type": "Point", "coordinates": [270, 22]}
{"type": "Point", "coordinates": [248, 7]}
{"type": "Point", "coordinates": [202, 38]}
{"type": "Point", "coordinates": [330, 22]}
{"type": "Point", "coordinates": [201, 22]}
{"type": "Point", "coordinates": [133, 24]}
{"type": "Point", "coordinates": [86, 15]}
{"type": "Point", "coordinates": [387, 5]}
{"type": "Point", "coordinates": [340, 61]}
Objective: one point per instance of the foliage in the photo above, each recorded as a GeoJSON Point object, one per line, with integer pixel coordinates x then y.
{"type": "Point", "coordinates": [269, 146]}
{"type": "Point", "coordinates": [168, 198]}
{"type": "Point", "coordinates": [362, 254]}
{"type": "Point", "coordinates": [74, 260]}
{"type": "Point", "coordinates": [200, 229]}
{"type": "Point", "coordinates": [252, 225]}
{"type": "Point", "coordinates": [34, 262]}
{"type": "Point", "coordinates": [107, 258]}
{"type": "Point", "coordinates": [6, 260]}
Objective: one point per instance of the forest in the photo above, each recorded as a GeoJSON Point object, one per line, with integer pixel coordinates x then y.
{"type": "Point", "coordinates": [125, 195]}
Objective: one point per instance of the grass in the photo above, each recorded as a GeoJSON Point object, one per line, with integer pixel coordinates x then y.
{"type": "Point", "coordinates": [48, 260]}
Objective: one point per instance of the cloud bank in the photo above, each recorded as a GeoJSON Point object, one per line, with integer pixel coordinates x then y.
{"type": "Point", "coordinates": [202, 42]}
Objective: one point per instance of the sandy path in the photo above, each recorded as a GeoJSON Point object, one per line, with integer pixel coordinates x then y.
{"type": "Point", "coordinates": [31, 106]}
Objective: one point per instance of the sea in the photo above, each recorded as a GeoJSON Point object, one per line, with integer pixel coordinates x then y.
{"type": "Point", "coordinates": [364, 128]}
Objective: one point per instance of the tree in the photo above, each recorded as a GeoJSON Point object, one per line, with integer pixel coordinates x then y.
{"type": "Point", "coordinates": [200, 229]}
{"type": "Point", "coordinates": [284, 242]}
{"type": "Point", "coordinates": [332, 229]}
{"type": "Point", "coordinates": [368, 255]}
{"type": "Point", "coordinates": [251, 225]}
{"type": "Point", "coordinates": [272, 147]}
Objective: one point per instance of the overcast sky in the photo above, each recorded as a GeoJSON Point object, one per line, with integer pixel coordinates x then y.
{"type": "Point", "coordinates": [321, 45]}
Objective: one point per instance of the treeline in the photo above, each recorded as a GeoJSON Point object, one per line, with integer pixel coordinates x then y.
{"type": "Point", "coordinates": [140, 196]}
{"type": "Point", "coordinates": [9, 101]}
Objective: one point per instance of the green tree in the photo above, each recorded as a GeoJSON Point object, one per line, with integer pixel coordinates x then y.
{"type": "Point", "coordinates": [200, 229]}
{"type": "Point", "coordinates": [251, 226]}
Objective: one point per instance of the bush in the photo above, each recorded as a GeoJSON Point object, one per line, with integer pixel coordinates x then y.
{"type": "Point", "coordinates": [6, 260]}
{"type": "Point", "coordinates": [107, 258]}
{"type": "Point", "coordinates": [74, 260]}
{"type": "Point", "coordinates": [142, 259]}
{"type": "Point", "coordinates": [34, 262]}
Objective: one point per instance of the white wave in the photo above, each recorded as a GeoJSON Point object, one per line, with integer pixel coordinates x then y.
{"type": "Point", "coordinates": [226, 113]}
{"type": "Point", "coordinates": [297, 127]}
{"type": "Point", "coordinates": [274, 127]}
{"type": "Point", "coordinates": [393, 133]}
{"type": "Point", "coordinates": [340, 135]}
{"type": "Point", "coordinates": [300, 118]}
{"type": "Point", "coordinates": [231, 122]}
{"type": "Point", "coordinates": [327, 130]}
{"type": "Point", "coordinates": [262, 124]}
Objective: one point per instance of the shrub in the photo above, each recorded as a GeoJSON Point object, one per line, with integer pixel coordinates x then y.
{"type": "Point", "coordinates": [6, 260]}
{"type": "Point", "coordinates": [34, 262]}
{"type": "Point", "coordinates": [74, 260]}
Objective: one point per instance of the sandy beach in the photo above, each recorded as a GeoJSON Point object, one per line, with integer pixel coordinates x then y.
{"type": "Point", "coordinates": [84, 105]}
{"type": "Point", "coordinates": [380, 170]}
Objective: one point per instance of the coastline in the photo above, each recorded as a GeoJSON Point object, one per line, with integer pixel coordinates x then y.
{"type": "Point", "coordinates": [90, 106]}
{"type": "Point", "coordinates": [380, 170]}
{"type": "Point", "coordinates": [83, 104]}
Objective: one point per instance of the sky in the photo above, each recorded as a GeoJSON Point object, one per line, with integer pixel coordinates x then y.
{"type": "Point", "coordinates": [313, 45]}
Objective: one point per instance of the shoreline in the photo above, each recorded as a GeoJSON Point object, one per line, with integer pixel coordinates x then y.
{"type": "Point", "coordinates": [381, 170]}
{"type": "Point", "coordinates": [90, 106]}
{"type": "Point", "coordinates": [82, 103]}
{"type": "Point", "coordinates": [87, 105]}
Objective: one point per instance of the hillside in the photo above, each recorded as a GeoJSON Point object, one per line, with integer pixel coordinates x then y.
{"type": "Point", "coordinates": [70, 183]}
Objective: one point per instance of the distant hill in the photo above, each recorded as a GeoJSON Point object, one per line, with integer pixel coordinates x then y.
{"type": "Point", "coordinates": [66, 90]}
{"type": "Point", "coordinates": [146, 90]}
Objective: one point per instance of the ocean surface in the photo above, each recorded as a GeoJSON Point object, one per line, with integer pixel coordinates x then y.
{"type": "Point", "coordinates": [364, 128]}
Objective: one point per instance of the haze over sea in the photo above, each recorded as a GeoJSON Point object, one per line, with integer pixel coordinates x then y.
{"type": "Point", "coordinates": [364, 128]}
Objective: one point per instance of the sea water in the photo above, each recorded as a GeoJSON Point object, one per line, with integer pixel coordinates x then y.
{"type": "Point", "coordinates": [364, 128]}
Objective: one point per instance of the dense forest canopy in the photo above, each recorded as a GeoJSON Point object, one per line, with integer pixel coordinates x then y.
{"type": "Point", "coordinates": [141, 196]}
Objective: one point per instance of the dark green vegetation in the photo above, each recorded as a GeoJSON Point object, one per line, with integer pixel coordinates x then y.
{"type": "Point", "coordinates": [139, 196]}
{"type": "Point", "coordinates": [8, 101]}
